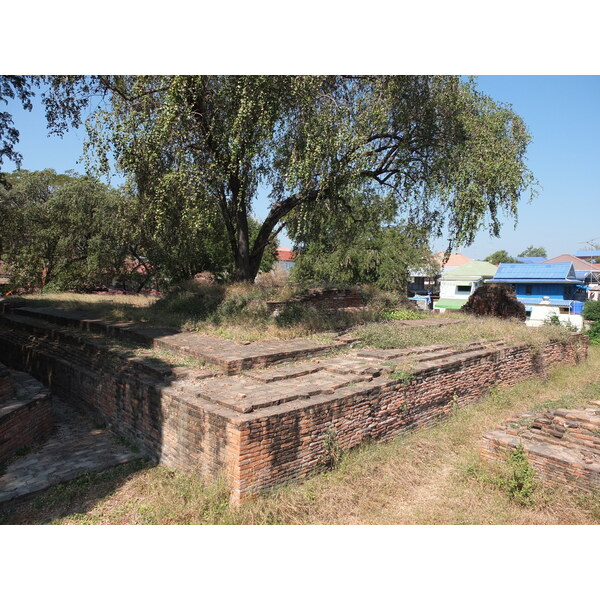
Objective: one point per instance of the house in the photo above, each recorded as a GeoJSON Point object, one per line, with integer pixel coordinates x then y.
{"type": "Point", "coordinates": [547, 289]}
{"type": "Point", "coordinates": [588, 272]}
{"type": "Point", "coordinates": [285, 259]}
{"type": "Point", "coordinates": [458, 284]}
{"type": "Point", "coordinates": [454, 260]}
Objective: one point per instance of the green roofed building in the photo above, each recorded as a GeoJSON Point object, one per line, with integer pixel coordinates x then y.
{"type": "Point", "coordinates": [457, 285]}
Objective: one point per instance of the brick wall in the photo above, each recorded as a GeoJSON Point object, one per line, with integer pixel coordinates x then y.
{"type": "Point", "coordinates": [6, 387]}
{"type": "Point", "coordinates": [270, 445]}
{"type": "Point", "coordinates": [25, 414]}
{"type": "Point", "coordinates": [288, 444]}
{"type": "Point", "coordinates": [172, 429]}
{"type": "Point", "coordinates": [324, 300]}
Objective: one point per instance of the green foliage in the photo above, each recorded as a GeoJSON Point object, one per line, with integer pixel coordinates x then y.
{"type": "Point", "coordinates": [591, 310]}
{"type": "Point", "coordinates": [59, 231]}
{"type": "Point", "coordinates": [330, 150]}
{"type": "Point", "coordinates": [402, 376]}
{"type": "Point", "coordinates": [594, 333]}
{"type": "Point", "coordinates": [366, 254]}
{"type": "Point", "coordinates": [12, 86]}
{"type": "Point", "coordinates": [519, 483]}
{"type": "Point", "coordinates": [534, 251]}
{"type": "Point", "coordinates": [500, 256]}
{"type": "Point", "coordinates": [555, 321]}
{"type": "Point", "coordinates": [401, 314]}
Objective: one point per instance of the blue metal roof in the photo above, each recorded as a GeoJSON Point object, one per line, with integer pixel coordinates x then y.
{"type": "Point", "coordinates": [529, 301]}
{"type": "Point", "coordinates": [544, 272]}
{"type": "Point", "coordinates": [585, 253]}
{"type": "Point", "coordinates": [531, 260]}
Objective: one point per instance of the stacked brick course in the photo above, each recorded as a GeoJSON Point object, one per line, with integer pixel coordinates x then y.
{"type": "Point", "coordinates": [324, 300]}
{"type": "Point", "coordinates": [266, 426]}
{"type": "Point", "coordinates": [25, 411]}
{"type": "Point", "coordinates": [563, 446]}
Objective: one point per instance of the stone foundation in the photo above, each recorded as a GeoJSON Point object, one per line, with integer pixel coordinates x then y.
{"type": "Point", "coordinates": [261, 427]}
{"type": "Point", "coordinates": [563, 446]}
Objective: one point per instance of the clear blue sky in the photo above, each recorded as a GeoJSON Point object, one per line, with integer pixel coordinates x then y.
{"type": "Point", "coordinates": [561, 112]}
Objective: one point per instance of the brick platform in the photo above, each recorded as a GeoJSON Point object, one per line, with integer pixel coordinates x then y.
{"type": "Point", "coordinates": [267, 425]}
{"type": "Point", "coordinates": [563, 446]}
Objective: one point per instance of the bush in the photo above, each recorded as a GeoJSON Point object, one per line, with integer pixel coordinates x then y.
{"type": "Point", "coordinates": [495, 300]}
{"type": "Point", "coordinates": [591, 310]}
{"type": "Point", "coordinates": [594, 333]}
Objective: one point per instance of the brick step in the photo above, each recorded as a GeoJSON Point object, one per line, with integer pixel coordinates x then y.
{"type": "Point", "coordinates": [244, 395]}
{"type": "Point", "coordinates": [77, 351]}
{"type": "Point", "coordinates": [271, 374]}
{"type": "Point", "coordinates": [427, 354]}
{"type": "Point", "coordinates": [229, 356]}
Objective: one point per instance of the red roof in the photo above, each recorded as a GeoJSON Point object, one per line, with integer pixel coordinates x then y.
{"type": "Point", "coordinates": [454, 260]}
{"type": "Point", "coordinates": [578, 263]}
{"type": "Point", "coordinates": [285, 254]}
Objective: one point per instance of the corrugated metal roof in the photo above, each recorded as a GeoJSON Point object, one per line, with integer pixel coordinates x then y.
{"type": "Point", "coordinates": [471, 270]}
{"type": "Point", "coordinates": [454, 260]}
{"type": "Point", "coordinates": [529, 301]}
{"type": "Point", "coordinates": [587, 253]}
{"type": "Point", "coordinates": [531, 260]}
{"type": "Point", "coordinates": [449, 303]}
{"type": "Point", "coordinates": [558, 272]}
{"type": "Point", "coordinates": [578, 263]}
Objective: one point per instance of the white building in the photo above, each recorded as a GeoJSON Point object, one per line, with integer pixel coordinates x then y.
{"type": "Point", "coordinates": [458, 284]}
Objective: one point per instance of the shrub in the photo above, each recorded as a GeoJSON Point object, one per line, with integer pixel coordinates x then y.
{"type": "Point", "coordinates": [594, 333]}
{"type": "Point", "coordinates": [495, 300]}
{"type": "Point", "coordinates": [591, 310]}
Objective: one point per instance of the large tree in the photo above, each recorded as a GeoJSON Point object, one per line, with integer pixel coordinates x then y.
{"type": "Point", "coordinates": [433, 150]}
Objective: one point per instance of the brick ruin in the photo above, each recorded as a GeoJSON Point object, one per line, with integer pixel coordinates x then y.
{"type": "Point", "coordinates": [261, 413]}
{"type": "Point", "coordinates": [562, 446]}
{"type": "Point", "coordinates": [333, 299]}
{"type": "Point", "coordinates": [25, 411]}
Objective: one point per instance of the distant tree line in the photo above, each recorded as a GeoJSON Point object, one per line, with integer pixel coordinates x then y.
{"type": "Point", "coordinates": [502, 256]}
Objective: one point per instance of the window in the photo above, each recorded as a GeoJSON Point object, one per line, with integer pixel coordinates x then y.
{"type": "Point", "coordinates": [528, 290]}
{"type": "Point", "coordinates": [463, 289]}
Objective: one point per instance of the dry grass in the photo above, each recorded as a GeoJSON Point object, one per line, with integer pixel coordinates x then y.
{"type": "Point", "coordinates": [234, 311]}
{"type": "Point", "coordinates": [469, 329]}
{"type": "Point", "coordinates": [428, 477]}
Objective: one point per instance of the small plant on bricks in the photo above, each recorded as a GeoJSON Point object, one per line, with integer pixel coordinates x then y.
{"type": "Point", "coordinates": [332, 451]}
{"type": "Point", "coordinates": [520, 479]}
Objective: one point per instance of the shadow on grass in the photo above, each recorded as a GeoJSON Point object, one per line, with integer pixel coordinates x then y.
{"type": "Point", "coordinates": [74, 497]}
